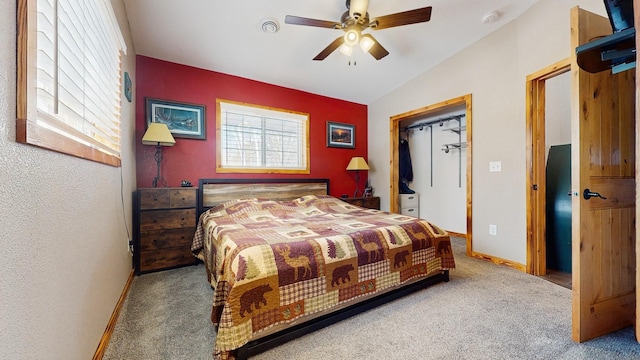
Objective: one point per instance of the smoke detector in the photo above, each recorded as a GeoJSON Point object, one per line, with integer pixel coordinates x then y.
{"type": "Point", "coordinates": [490, 17]}
{"type": "Point", "coordinates": [269, 25]}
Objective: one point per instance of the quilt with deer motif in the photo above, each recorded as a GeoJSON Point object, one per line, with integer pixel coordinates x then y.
{"type": "Point", "coordinates": [275, 262]}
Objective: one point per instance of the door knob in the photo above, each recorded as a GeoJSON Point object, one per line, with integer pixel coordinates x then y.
{"type": "Point", "coordinates": [588, 194]}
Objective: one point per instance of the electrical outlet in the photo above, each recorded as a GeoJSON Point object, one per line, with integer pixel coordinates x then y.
{"type": "Point", "coordinates": [129, 245]}
{"type": "Point", "coordinates": [493, 229]}
{"type": "Point", "coordinates": [495, 166]}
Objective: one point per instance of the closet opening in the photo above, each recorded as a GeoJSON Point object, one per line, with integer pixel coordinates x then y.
{"type": "Point", "coordinates": [436, 143]}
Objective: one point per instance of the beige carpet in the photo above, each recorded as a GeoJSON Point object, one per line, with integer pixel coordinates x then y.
{"type": "Point", "coordinates": [486, 311]}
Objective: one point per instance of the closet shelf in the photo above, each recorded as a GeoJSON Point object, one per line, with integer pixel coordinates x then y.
{"type": "Point", "coordinates": [457, 130]}
{"type": "Point", "coordinates": [453, 146]}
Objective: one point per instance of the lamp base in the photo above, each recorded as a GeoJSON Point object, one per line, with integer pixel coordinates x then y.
{"type": "Point", "coordinates": [158, 178]}
{"type": "Point", "coordinates": [355, 193]}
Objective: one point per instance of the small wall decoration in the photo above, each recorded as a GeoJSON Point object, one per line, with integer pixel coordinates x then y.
{"type": "Point", "coordinates": [127, 86]}
{"type": "Point", "coordinates": [183, 120]}
{"type": "Point", "coordinates": [341, 135]}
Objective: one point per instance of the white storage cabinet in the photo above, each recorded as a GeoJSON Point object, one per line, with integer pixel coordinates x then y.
{"type": "Point", "coordinates": [410, 204]}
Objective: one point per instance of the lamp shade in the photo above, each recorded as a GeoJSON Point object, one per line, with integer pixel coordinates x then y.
{"type": "Point", "coordinates": [367, 42]}
{"type": "Point", "coordinates": [357, 163]}
{"type": "Point", "coordinates": [158, 134]}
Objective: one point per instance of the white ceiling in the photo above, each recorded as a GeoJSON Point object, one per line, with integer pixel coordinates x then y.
{"type": "Point", "coordinates": [226, 36]}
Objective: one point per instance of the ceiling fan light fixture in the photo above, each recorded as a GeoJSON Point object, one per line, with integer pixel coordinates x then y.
{"type": "Point", "coordinates": [356, 20]}
{"type": "Point", "coordinates": [366, 43]}
{"type": "Point", "coordinates": [351, 37]}
{"type": "Point", "coordinates": [346, 49]}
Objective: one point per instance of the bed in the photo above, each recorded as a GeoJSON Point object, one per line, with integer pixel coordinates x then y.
{"type": "Point", "coordinates": [284, 258]}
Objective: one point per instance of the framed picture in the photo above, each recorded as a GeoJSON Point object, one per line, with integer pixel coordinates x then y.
{"type": "Point", "coordinates": [183, 120]}
{"type": "Point", "coordinates": [127, 86]}
{"type": "Point", "coordinates": [341, 135]}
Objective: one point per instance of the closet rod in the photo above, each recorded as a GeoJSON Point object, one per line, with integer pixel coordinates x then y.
{"type": "Point", "coordinates": [431, 122]}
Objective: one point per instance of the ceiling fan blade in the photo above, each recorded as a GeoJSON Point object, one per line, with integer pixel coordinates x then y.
{"type": "Point", "coordinates": [297, 20]}
{"type": "Point", "coordinates": [402, 18]}
{"type": "Point", "coordinates": [376, 50]}
{"type": "Point", "coordinates": [329, 49]}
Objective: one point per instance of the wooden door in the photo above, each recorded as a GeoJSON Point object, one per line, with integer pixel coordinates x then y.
{"type": "Point", "coordinates": [603, 157]}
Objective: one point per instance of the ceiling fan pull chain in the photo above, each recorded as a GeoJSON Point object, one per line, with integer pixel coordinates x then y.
{"type": "Point", "coordinates": [352, 58]}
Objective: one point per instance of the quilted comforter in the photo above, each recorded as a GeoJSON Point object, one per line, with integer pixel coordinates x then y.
{"type": "Point", "coordinates": [272, 263]}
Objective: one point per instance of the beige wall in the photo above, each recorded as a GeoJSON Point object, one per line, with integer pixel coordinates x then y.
{"type": "Point", "coordinates": [64, 260]}
{"type": "Point", "coordinates": [493, 70]}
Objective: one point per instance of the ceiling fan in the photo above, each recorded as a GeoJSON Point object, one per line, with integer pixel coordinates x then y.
{"type": "Point", "coordinates": [354, 21]}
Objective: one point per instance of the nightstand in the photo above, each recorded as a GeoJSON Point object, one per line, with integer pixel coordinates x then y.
{"type": "Point", "coordinates": [165, 223]}
{"type": "Point", "coordinates": [369, 202]}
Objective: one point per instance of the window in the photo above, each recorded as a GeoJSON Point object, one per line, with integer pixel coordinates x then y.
{"type": "Point", "coordinates": [69, 77]}
{"type": "Point", "coordinates": [259, 139]}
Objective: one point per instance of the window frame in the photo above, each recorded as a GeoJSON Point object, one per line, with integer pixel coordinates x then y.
{"type": "Point", "coordinates": [28, 129]}
{"type": "Point", "coordinates": [254, 170]}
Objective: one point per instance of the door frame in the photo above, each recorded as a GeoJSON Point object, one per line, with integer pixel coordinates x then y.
{"type": "Point", "coordinates": [636, 15]}
{"type": "Point", "coordinates": [536, 167]}
{"type": "Point", "coordinates": [394, 127]}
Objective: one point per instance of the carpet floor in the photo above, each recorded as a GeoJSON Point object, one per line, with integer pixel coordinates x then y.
{"type": "Point", "coordinates": [486, 311]}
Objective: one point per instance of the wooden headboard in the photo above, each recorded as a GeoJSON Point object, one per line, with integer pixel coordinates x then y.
{"type": "Point", "coordinates": [212, 192]}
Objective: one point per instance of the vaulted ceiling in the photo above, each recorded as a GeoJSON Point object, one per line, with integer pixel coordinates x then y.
{"type": "Point", "coordinates": [227, 36]}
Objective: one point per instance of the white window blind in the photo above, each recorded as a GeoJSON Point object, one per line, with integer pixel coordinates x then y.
{"type": "Point", "coordinates": [258, 138]}
{"type": "Point", "coordinates": [77, 74]}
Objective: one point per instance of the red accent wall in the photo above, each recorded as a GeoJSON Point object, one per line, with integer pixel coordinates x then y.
{"type": "Point", "coordinates": [192, 159]}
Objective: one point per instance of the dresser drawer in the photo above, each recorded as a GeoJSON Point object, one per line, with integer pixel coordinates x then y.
{"type": "Point", "coordinates": [371, 202]}
{"type": "Point", "coordinates": [413, 211]}
{"type": "Point", "coordinates": [409, 200]}
{"type": "Point", "coordinates": [182, 198]}
{"type": "Point", "coordinates": [155, 239]}
{"type": "Point", "coordinates": [154, 199]}
{"type": "Point", "coordinates": [167, 219]}
{"type": "Point", "coordinates": [166, 258]}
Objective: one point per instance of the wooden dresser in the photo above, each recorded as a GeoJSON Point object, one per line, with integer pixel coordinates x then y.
{"type": "Point", "coordinates": [165, 223]}
{"type": "Point", "coordinates": [370, 202]}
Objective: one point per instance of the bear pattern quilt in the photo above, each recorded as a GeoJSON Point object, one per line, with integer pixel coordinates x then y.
{"type": "Point", "coordinates": [275, 262]}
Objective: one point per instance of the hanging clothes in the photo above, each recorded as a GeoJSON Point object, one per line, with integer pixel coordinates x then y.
{"type": "Point", "coordinates": [406, 169]}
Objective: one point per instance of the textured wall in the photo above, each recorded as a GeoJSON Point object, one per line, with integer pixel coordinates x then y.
{"type": "Point", "coordinates": [494, 71]}
{"type": "Point", "coordinates": [64, 261]}
{"type": "Point", "coordinates": [194, 159]}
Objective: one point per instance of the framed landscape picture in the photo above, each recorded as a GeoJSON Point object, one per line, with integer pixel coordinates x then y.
{"type": "Point", "coordinates": [183, 120]}
{"type": "Point", "coordinates": [341, 135]}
